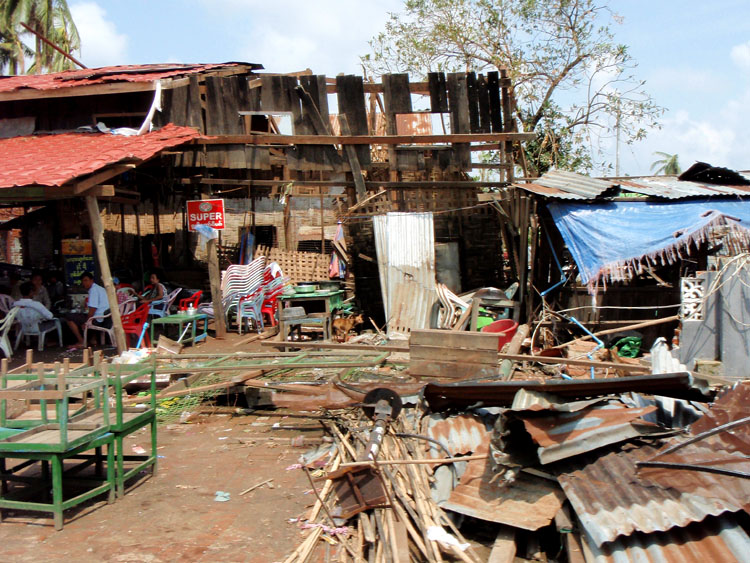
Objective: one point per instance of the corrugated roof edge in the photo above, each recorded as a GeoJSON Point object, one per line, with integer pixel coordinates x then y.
{"type": "Point", "coordinates": [568, 185]}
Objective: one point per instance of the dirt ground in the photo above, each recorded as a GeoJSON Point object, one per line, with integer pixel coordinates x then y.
{"type": "Point", "coordinates": [173, 515]}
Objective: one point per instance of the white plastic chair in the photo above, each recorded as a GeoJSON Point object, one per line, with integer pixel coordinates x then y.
{"type": "Point", "coordinates": [104, 330]}
{"type": "Point", "coordinates": [6, 303]}
{"type": "Point", "coordinates": [5, 326]}
{"type": "Point", "coordinates": [160, 307]}
{"type": "Point", "coordinates": [33, 324]}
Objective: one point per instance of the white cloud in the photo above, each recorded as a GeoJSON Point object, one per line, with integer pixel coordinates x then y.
{"type": "Point", "coordinates": [740, 55]}
{"type": "Point", "coordinates": [101, 43]}
{"type": "Point", "coordinates": [327, 36]}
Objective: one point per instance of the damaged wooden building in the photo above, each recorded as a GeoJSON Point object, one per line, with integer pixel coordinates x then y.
{"type": "Point", "coordinates": [292, 155]}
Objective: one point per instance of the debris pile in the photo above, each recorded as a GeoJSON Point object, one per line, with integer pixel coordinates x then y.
{"type": "Point", "coordinates": [582, 470]}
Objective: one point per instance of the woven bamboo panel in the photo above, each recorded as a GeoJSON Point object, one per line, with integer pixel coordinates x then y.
{"type": "Point", "coordinates": [299, 266]}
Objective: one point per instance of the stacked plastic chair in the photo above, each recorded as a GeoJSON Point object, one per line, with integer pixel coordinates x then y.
{"type": "Point", "coordinates": [238, 283]}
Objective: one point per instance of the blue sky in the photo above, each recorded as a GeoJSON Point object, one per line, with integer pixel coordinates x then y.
{"type": "Point", "coordinates": [694, 55]}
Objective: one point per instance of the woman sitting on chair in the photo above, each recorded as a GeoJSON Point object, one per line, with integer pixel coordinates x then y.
{"type": "Point", "coordinates": [153, 292]}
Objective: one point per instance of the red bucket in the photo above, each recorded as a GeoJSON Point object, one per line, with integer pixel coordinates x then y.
{"type": "Point", "coordinates": [505, 329]}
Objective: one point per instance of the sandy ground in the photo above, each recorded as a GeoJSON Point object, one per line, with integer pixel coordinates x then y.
{"type": "Point", "coordinates": [173, 515]}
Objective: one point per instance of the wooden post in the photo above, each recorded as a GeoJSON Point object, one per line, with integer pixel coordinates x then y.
{"type": "Point", "coordinates": [139, 243]}
{"type": "Point", "coordinates": [214, 278]}
{"type": "Point", "coordinates": [101, 251]}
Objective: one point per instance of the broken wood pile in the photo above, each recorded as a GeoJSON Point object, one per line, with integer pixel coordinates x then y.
{"type": "Point", "coordinates": [400, 521]}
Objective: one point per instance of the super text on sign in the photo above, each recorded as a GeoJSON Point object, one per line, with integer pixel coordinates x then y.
{"type": "Point", "coordinates": [205, 212]}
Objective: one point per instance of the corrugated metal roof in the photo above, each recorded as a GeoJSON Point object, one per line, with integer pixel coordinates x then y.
{"type": "Point", "coordinates": [568, 185]}
{"type": "Point", "coordinates": [612, 501]}
{"type": "Point", "coordinates": [102, 75]}
{"type": "Point", "coordinates": [53, 160]}
{"type": "Point", "coordinates": [670, 187]}
{"type": "Point", "coordinates": [715, 539]}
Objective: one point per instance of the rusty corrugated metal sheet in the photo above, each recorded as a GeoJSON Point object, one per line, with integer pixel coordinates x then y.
{"type": "Point", "coordinates": [728, 450]}
{"type": "Point", "coordinates": [611, 500]}
{"type": "Point", "coordinates": [53, 160]}
{"type": "Point", "coordinates": [529, 502]}
{"type": "Point", "coordinates": [563, 429]}
{"type": "Point", "coordinates": [461, 434]}
{"type": "Point", "coordinates": [715, 539]}
{"type": "Point", "coordinates": [567, 434]}
{"type": "Point", "coordinates": [104, 75]}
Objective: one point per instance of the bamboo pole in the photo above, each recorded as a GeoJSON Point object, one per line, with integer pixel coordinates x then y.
{"type": "Point", "coordinates": [635, 326]}
{"type": "Point", "coordinates": [97, 230]}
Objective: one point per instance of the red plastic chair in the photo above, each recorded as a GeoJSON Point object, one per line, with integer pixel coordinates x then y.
{"type": "Point", "coordinates": [132, 323]}
{"type": "Point", "coordinates": [270, 306]}
{"type": "Point", "coordinates": [194, 299]}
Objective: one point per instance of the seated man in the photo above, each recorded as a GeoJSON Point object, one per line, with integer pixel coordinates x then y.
{"type": "Point", "coordinates": [31, 313]}
{"type": "Point", "coordinates": [98, 306]}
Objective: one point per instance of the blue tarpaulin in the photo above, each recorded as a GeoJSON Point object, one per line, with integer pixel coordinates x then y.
{"type": "Point", "coordinates": [612, 241]}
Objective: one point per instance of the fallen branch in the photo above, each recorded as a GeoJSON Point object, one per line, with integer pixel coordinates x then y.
{"type": "Point", "coordinates": [255, 486]}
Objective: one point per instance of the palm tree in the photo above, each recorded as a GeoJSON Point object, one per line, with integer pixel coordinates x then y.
{"type": "Point", "coordinates": [49, 18]}
{"type": "Point", "coordinates": [667, 164]}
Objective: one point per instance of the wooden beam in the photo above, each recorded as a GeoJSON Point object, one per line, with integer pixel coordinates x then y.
{"type": "Point", "coordinates": [351, 154]}
{"type": "Point", "coordinates": [265, 139]}
{"type": "Point", "coordinates": [214, 278]}
{"type": "Point", "coordinates": [97, 230]}
{"type": "Point", "coordinates": [99, 177]}
{"type": "Point", "coordinates": [330, 183]}
{"type": "Point", "coordinates": [17, 195]}
{"type": "Point", "coordinates": [574, 362]}
{"type": "Point", "coordinates": [75, 91]}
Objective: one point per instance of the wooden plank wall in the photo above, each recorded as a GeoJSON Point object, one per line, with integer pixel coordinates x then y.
{"type": "Point", "coordinates": [475, 103]}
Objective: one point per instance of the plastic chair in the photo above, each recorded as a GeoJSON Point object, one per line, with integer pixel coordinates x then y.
{"type": "Point", "coordinates": [132, 323]}
{"type": "Point", "coordinates": [5, 326]}
{"type": "Point", "coordinates": [249, 307]}
{"type": "Point", "coordinates": [6, 303]}
{"type": "Point", "coordinates": [193, 300]}
{"type": "Point", "coordinates": [160, 307]}
{"type": "Point", "coordinates": [270, 306]}
{"type": "Point", "coordinates": [31, 323]}
{"type": "Point", "coordinates": [104, 330]}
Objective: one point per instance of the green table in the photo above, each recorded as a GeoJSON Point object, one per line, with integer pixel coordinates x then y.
{"type": "Point", "coordinates": [331, 300]}
{"type": "Point", "coordinates": [104, 483]}
{"type": "Point", "coordinates": [182, 321]}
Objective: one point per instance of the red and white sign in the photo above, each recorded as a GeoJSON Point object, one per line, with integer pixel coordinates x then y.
{"type": "Point", "coordinates": [205, 212]}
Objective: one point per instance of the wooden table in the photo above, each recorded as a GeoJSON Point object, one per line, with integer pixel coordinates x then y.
{"type": "Point", "coordinates": [181, 321]}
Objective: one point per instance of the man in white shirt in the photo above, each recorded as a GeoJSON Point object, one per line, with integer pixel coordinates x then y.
{"type": "Point", "coordinates": [98, 306]}
{"type": "Point", "coordinates": [33, 314]}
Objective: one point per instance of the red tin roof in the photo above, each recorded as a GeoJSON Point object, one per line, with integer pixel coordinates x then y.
{"type": "Point", "coordinates": [104, 75]}
{"type": "Point", "coordinates": [53, 160]}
